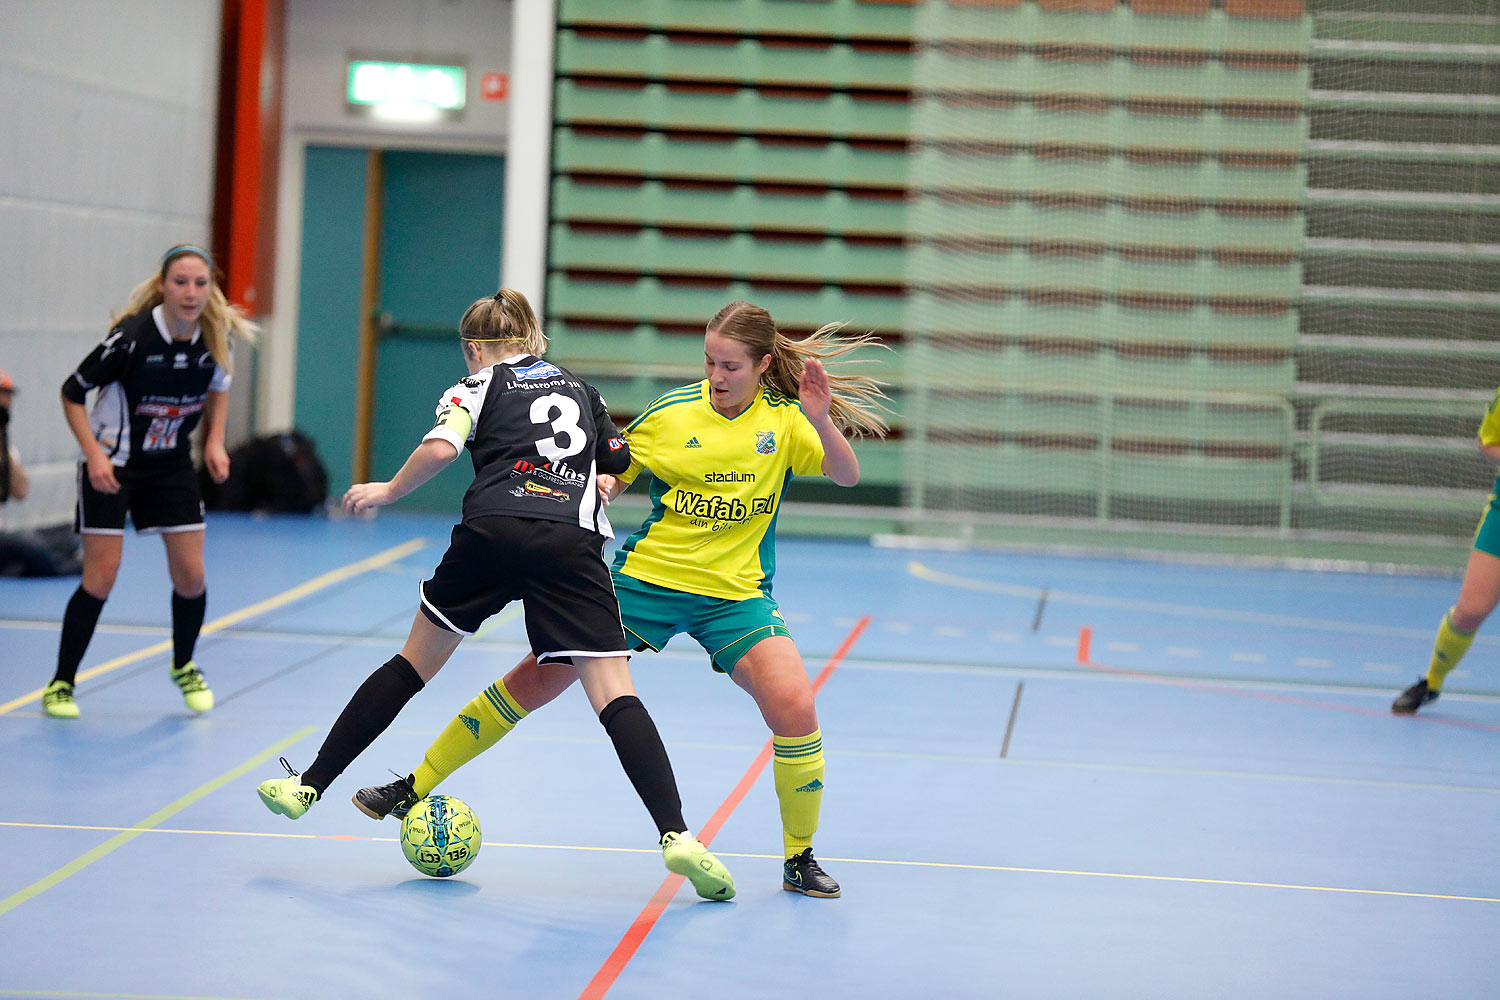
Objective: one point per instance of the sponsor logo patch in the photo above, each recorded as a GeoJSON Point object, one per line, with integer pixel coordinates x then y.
{"type": "Point", "coordinates": [540, 370]}
{"type": "Point", "coordinates": [531, 489]}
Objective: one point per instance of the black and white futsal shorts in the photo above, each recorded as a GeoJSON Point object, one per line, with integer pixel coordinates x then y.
{"type": "Point", "coordinates": [160, 499]}
{"type": "Point", "coordinates": [557, 570]}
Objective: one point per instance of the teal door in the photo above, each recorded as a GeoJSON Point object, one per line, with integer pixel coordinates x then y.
{"type": "Point", "coordinates": [439, 250]}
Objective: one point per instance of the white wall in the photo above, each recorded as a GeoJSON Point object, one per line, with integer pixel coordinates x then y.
{"type": "Point", "coordinates": [321, 37]}
{"type": "Point", "coordinates": [106, 160]}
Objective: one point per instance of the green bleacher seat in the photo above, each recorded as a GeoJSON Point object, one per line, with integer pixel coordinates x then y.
{"type": "Point", "coordinates": [638, 152]}
{"type": "Point", "coordinates": [766, 18]}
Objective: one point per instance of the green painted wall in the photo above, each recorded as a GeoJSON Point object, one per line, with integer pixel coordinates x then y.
{"type": "Point", "coordinates": [333, 204]}
{"type": "Point", "coordinates": [440, 250]}
{"type": "Point", "coordinates": [440, 244]}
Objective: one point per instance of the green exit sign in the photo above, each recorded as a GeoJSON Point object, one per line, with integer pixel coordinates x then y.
{"type": "Point", "coordinates": [411, 86]}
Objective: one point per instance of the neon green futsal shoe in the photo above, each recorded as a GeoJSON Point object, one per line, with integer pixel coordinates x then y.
{"type": "Point", "coordinates": [194, 686]}
{"type": "Point", "coordinates": [57, 700]}
{"type": "Point", "coordinates": [685, 856]}
{"type": "Point", "coordinates": [288, 796]}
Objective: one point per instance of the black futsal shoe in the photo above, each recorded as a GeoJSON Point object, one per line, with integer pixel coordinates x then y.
{"type": "Point", "coordinates": [380, 801]}
{"type": "Point", "coordinates": [801, 874]}
{"type": "Point", "coordinates": [1414, 698]}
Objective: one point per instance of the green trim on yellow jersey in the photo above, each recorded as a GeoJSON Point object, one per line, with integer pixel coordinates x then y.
{"type": "Point", "coordinates": [716, 485]}
{"type": "Point", "coordinates": [1489, 428]}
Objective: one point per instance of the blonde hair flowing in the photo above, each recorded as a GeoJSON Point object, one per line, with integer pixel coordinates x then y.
{"type": "Point", "coordinates": [219, 322]}
{"type": "Point", "coordinates": [858, 400]}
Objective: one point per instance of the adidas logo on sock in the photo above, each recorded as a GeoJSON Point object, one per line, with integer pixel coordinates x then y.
{"type": "Point", "coordinates": [472, 725]}
{"type": "Point", "coordinates": [812, 786]}
{"type": "Point", "coordinates": [692, 443]}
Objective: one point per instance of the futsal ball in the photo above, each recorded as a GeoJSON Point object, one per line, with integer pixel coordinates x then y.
{"type": "Point", "coordinates": [440, 836]}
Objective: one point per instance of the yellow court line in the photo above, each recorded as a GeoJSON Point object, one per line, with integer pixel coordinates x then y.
{"type": "Point", "coordinates": [235, 617]}
{"type": "Point", "coordinates": [1169, 878]}
{"type": "Point", "coordinates": [853, 861]}
{"type": "Point", "coordinates": [127, 834]}
{"type": "Point", "coordinates": [106, 996]}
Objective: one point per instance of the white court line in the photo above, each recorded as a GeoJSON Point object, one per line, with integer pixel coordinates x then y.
{"type": "Point", "coordinates": [922, 572]}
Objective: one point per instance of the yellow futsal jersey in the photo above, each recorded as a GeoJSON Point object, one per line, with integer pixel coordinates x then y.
{"type": "Point", "coordinates": [1489, 428]}
{"type": "Point", "coordinates": [716, 485]}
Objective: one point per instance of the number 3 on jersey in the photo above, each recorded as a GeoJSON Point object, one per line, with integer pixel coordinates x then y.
{"type": "Point", "coordinates": [561, 413]}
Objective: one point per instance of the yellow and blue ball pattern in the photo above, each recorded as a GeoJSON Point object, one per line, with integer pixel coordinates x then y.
{"type": "Point", "coordinates": [440, 836]}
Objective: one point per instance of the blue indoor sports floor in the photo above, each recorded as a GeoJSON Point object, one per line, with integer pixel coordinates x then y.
{"type": "Point", "coordinates": [1047, 777]}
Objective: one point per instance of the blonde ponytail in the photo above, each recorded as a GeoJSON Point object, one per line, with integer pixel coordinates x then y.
{"type": "Point", "coordinates": [858, 400]}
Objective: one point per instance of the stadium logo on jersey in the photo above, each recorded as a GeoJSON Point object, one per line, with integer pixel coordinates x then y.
{"type": "Point", "coordinates": [531, 489]}
{"type": "Point", "coordinates": [692, 443]}
{"type": "Point", "coordinates": [540, 370]}
{"type": "Point", "coordinates": [729, 477]}
{"type": "Point", "coordinates": [765, 442]}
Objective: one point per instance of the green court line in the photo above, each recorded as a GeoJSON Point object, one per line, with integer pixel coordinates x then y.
{"type": "Point", "coordinates": [510, 614]}
{"type": "Point", "coordinates": [126, 836]}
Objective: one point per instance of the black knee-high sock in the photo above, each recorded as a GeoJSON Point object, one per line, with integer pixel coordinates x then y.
{"type": "Point", "coordinates": [77, 629]}
{"type": "Point", "coordinates": [372, 709]}
{"type": "Point", "coordinates": [644, 758]}
{"type": "Point", "coordinates": [187, 622]}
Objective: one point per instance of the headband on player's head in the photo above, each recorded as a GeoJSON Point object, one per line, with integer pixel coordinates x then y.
{"type": "Point", "coordinates": [178, 251]}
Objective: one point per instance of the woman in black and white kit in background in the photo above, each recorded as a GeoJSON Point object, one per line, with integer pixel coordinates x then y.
{"type": "Point", "coordinates": [533, 529]}
{"type": "Point", "coordinates": [164, 367]}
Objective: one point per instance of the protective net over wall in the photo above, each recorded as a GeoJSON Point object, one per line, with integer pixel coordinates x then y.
{"type": "Point", "coordinates": [1181, 266]}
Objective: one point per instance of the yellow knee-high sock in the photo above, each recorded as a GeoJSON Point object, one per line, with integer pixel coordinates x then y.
{"type": "Point", "coordinates": [1450, 647]}
{"type": "Point", "coordinates": [798, 770]}
{"type": "Point", "coordinates": [470, 733]}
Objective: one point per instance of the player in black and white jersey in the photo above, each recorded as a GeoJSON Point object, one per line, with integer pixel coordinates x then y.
{"type": "Point", "coordinates": [163, 367]}
{"type": "Point", "coordinates": [533, 529]}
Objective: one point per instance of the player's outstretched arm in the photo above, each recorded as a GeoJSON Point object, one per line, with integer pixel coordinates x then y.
{"type": "Point", "coordinates": [429, 458]}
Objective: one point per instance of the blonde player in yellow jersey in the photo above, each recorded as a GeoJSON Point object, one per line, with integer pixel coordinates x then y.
{"type": "Point", "coordinates": [1477, 595]}
{"type": "Point", "coordinates": [717, 456]}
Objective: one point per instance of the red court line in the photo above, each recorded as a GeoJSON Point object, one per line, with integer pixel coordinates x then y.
{"type": "Point", "coordinates": [1085, 636]}
{"type": "Point", "coordinates": [625, 950]}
